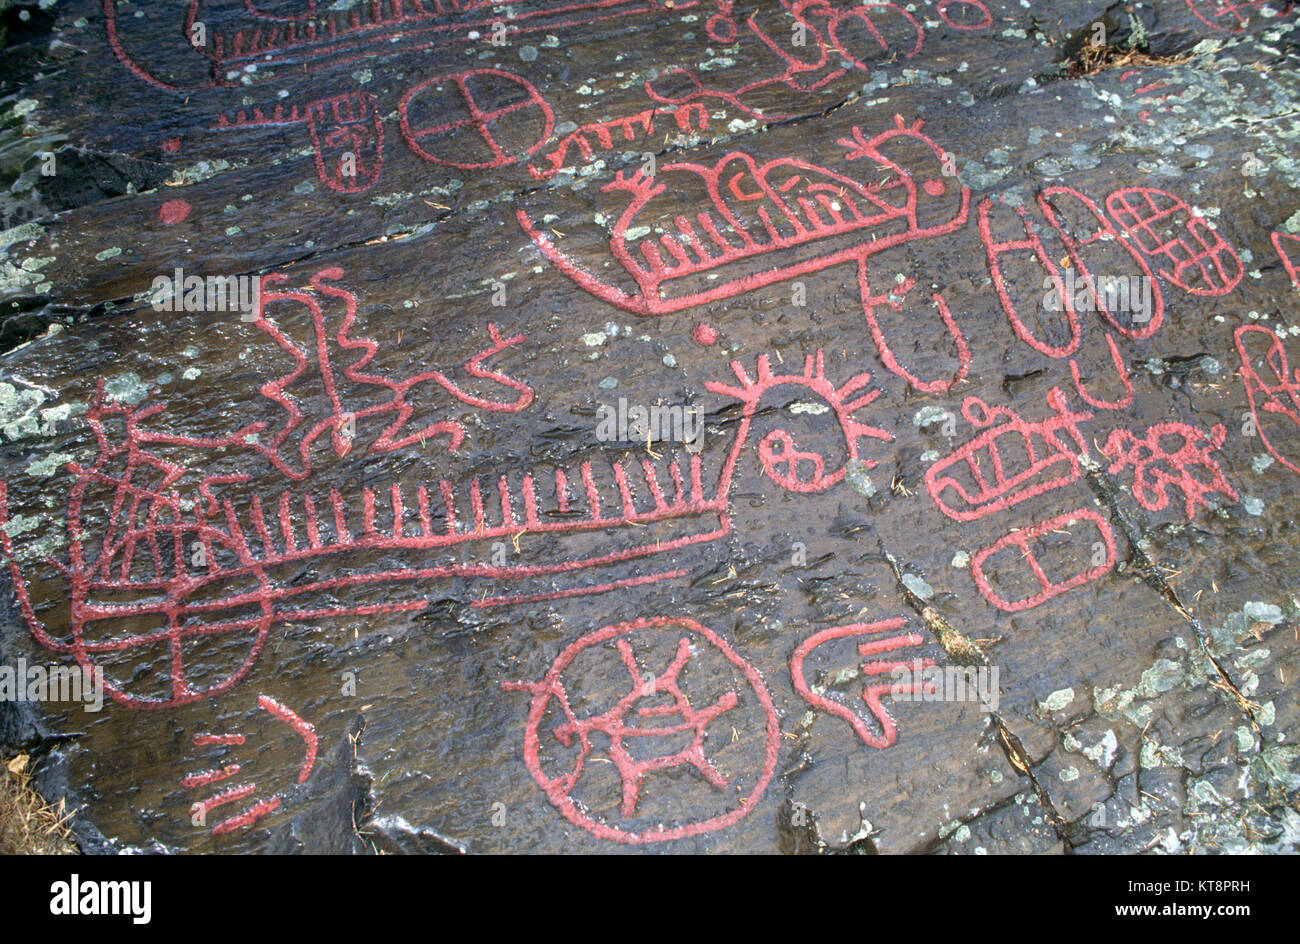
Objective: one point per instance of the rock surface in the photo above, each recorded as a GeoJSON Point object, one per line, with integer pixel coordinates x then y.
{"type": "Point", "coordinates": [372, 547]}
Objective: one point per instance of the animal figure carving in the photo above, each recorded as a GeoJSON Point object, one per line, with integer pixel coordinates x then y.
{"type": "Point", "coordinates": [772, 221]}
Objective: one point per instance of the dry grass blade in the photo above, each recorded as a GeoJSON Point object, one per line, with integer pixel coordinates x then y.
{"type": "Point", "coordinates": [28, 824]}
{"type": "Point", "coordinates": [1093, 59]}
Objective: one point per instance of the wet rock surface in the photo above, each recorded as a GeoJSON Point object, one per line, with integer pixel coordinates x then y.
{"type": "Point", "coordinates": [693, 426]}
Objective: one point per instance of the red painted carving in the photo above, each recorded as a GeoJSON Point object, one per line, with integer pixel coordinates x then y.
{"type": "Point", "coordinates": [1275, 394]}
{"type": "Point", "coordinates": [316, 363]}
{"type": "Point", "coordinates": [870, 302]}
{"type": "Point", "coordinates": [144, 504]}
{"type": "Point", "coordinates": [152, 551]}
{"type": "Point", "coordinates": [346, 128]}
{"type": "Point", "coordinates": [765, 211]}
{"type": "Point", "coordinates": [258, 117]}
{"type": "Point", "coordinates": [871, 693]}
{"type": "Point", "coordinates": [148, 551]}
{"type": "Point", "coordinates": [307, 39]}
{"type": "Point", "coordinates": [826, 28]}
{"type": "Point", "coordinates": [349, 141]}
{"type": "Point", "coordinates": [165, 572]}
{"type": "Point", "coordinates": [704, 334]}
{"type": "Point", "coordinates": [603, 135]}
{"type": "Point", "coordinates": [958, 14]}
{"type": "Point", "coordinates": [1074, 247]}
{"type": "Point", "coordinates": [260, 808]}
{"type": "Point", "coordinates": [1120, 369]}
{"type": "Point", "coordinates": [762, 210]}
{"type": "Point", "coordinates": [1147, 91]}
{"type": "Point", "coordinates": [423, 140]}
{"type": "Point", "coordinates": [1010, 462]}
{"type": "Point", "coordinates": [395, 408]}
{"type": "Point", "coordinates": [346, 131]}
{"type": "Point", "coordinates": [864, 16]}
{"type": "Point", "coordinates": [173, 212]}
{"type": "Point", "coordinates": [1157, 467]}
{"type": "Point", "coordinates": [1292, 265]}
{"type": "Point", "coordinates": [331, 39]}
{"type": "Point", "coordinates": [227, 740]}
{"type": "Point", "coordinates": [782, 461]}
{"type": "Point", "coordinates": [721, 26]}
{"type": "Point", "coordinates": [1032, 244]}
{"type": "Point", "coordinates": [1228, 16]}
{"type": "Point", "coordinates": [630, 722]}
{"type": "Point", "coordinates": [1165, 228]}
{"type": "Point", "coordinates": [308, 10]}
{"type": "Point", "coordinates": [1023, 541]}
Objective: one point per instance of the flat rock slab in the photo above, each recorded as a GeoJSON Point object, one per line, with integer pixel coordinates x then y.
{"type": "Point", "coordinates": [689, 426]}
